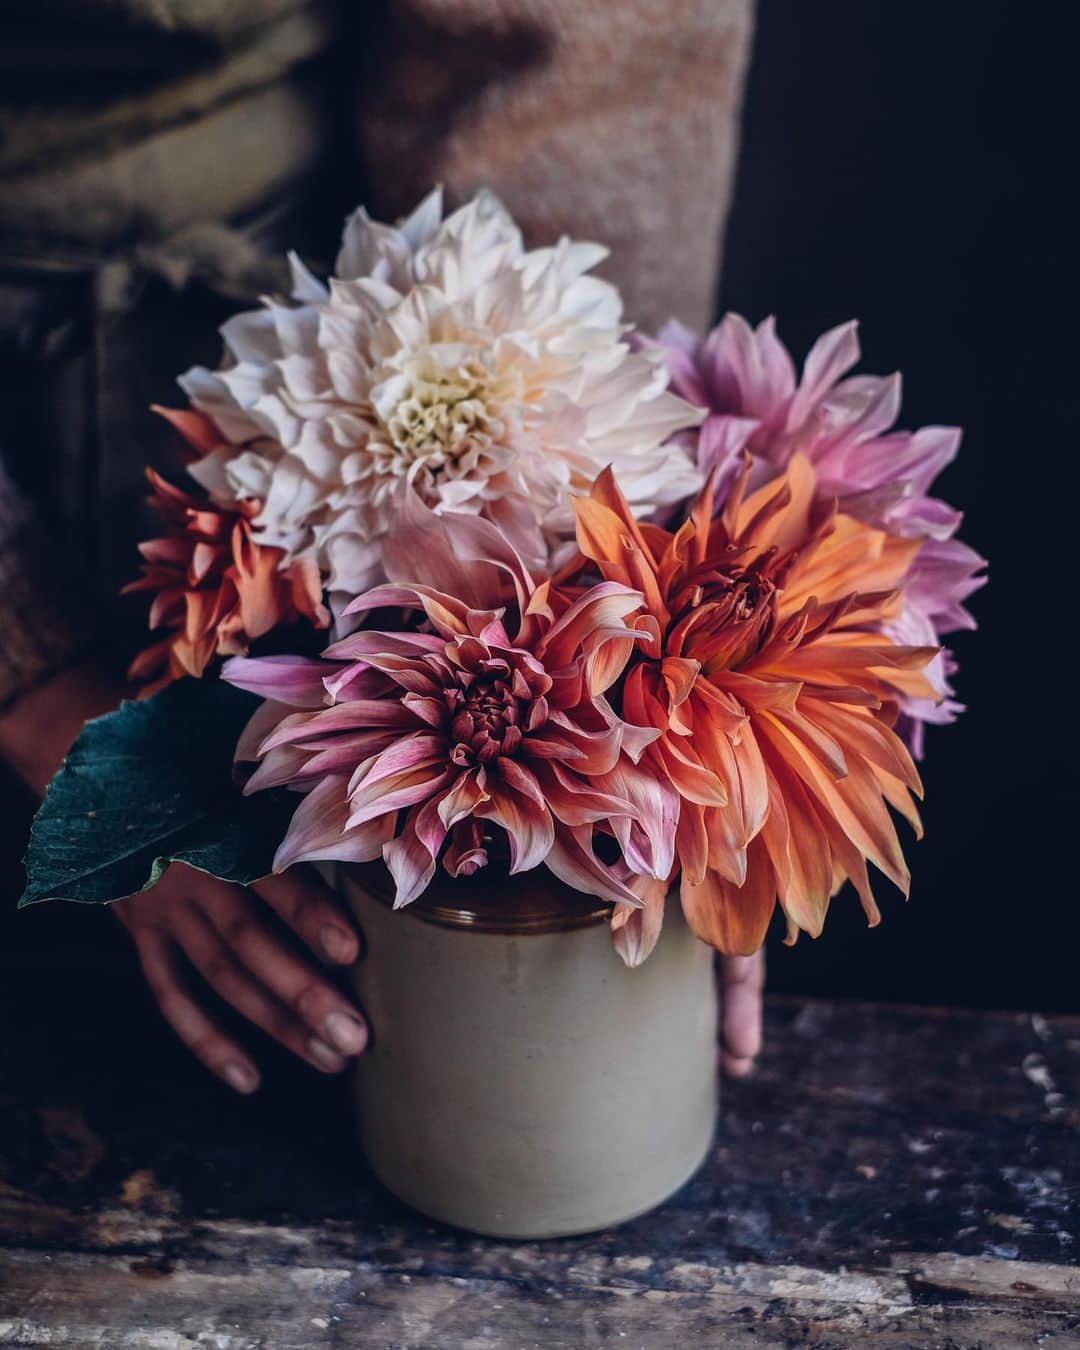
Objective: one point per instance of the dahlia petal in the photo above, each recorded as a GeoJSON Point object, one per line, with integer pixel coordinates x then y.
{"type": "Point", "coordinates": [694, 781]}
{"type": "Point", "coordinates": [732, 919]}
{"type": "Point", "coordinates": [359, 715]}
{"type": "Point", "coordinates": [918, 456]}
{"type": "Point", "coordinates": [430, 710]}
{"type": "Point", "coordinates": [647, 832]}
{"type": "Point", "coordinates": [462, 798]}
{"type": "Point", "coordinates": [579, 801]}
{"type": "Point", "coordinates": [318, 830]}
{"type": "Point", "coordinates": [198, 431]}
{"type": "Point", "coordinates": [851, 864]}
{"type": "Point", "coordinates": [863, 406]}
{"type": "Point", "coordinates": [573, 860]}
{"type": "Point", "coordinates": [635, 931]}
{"type": "Point", "coordinates": [537, 747]}
{"type": "Point", "coordinates": [277, 768]}
{"type": "Point", "coordinates": [410, 862]}
{"type": "Point", "coordinates": [898, 795]}
{"type": "Point", "coordinates": [305, 287]}
{"type": "Point", "coordinates": [529, 828]}
{"type": "Point", "coordinates": [149, 661]}
{"type": "Point", "coordinates": [831, 355]}
{"type": "Point", "coordinates": [392, 794]}
{"type": "Point", "coordinates": [873, 740]}
{"type": "Point", "coordinates": [599, 611]}
{"type": "Point", "coordinates": [522, 780]}
{"type": "Point", "coordinates": [607, 661]}
{"type": "Point", "coordinates": [258, 584]}
{"type": "Point", "coordinates": [373, 643]}
{"type": "Point", "coordinates": [813, 738]}
{"type": "Point", "coordinates": [340, 754]}
{"type": "Point", "coordinates": [446, 613]}
{"type": "Point", "coordinates": [429, 826]}
{"type": "Point", "coordinates": [405, 671]}
{"type": "Point", "coordinates": [209, 394]}
{"type": "Point", "coordinates": [797, 844]}
{"type": "Point", "coordinates": [598, 750]}
{"type": "Point", "coordinates": [164, 607]}
{"type": "Point", "coordinates": [721, 443]}
{"type": "Point", "coordinates": [306, 591]}
{"type": "Point", "coordinates": [853, 802]}
{"type": "Point", "coordinates": [369, 248]}
{"type": "Point", "coordinates": [465, 853]}
{"type": "Point", "coordinates": [463, 555]}
{"type": "Point", "coordinates": [415, 751]}
{"type": "Point", "coordinates": [262, 722]}
{"type": "Point", "coordinates": [175, 551]}
{"type": "Point", "coordinates": [777, 367]}
{"type": "Point", "coordinates": [692, 842]}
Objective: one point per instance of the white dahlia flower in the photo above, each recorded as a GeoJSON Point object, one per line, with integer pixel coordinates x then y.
{"type": "Point", "coordinates": [445, 357]}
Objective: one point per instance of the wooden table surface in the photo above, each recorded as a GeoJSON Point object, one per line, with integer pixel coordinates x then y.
{"type": "Point", "coordinates": [889, 1177]}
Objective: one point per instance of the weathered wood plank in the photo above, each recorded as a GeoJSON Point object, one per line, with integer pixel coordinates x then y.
{"type": "Point", "coordinates": [119, 1301]}
{"type": "Point", "coordinates": [908, 1176]}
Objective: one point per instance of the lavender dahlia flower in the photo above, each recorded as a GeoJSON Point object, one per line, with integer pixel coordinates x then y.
{"type": "Point", "coordinates": [756, 402]}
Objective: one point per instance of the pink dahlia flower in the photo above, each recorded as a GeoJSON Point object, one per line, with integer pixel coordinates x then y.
{"type": "Point", "coordinates": [416, 742]}
{"type": "Point", "coordinates": [757, 403]}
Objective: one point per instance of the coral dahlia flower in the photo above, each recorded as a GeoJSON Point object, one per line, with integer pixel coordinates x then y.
{"type": "Point", "coordinates": [446, 357]}
{"type": "Point", "coordinates": [416, 743]}
{"type": "Point", "coordinates": [215, 586]}
{"type": "Point", "coordinates": [746, 380]}
{"type": "Point", "coordinates": [773, 700]}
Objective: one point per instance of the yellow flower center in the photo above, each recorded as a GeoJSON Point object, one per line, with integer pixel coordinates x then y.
{"type": "Point", "coordinates": [441, 416]}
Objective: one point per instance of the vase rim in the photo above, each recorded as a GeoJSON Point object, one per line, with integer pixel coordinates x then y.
{"type": "Point", "coordinates": [543, 903]}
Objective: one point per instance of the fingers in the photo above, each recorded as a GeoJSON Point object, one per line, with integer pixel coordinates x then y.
{"type": "Point", "coordinates": [224, 932]}
{"type": "Point", "coordinates": [207, 1042]}
{"type": "Point", "coordinates": [312, 911]}
{"type": "Point", "coordinates": [292, 981]}
{"type": "Point", "coordinates": [742, 983]}
{"type": "Point", "coordinates": [243, 989]}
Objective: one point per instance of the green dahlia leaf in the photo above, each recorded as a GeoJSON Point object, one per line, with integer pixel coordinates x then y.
{"type": "Point", "coordinates": [149, 784]}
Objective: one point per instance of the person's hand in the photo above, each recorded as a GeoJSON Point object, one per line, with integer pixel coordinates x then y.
{"type": "Point", "coordinates": [742, 981]}
{"type": "Point", "coordinates": [225, 935]}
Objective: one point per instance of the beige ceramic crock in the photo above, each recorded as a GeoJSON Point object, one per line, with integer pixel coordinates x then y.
{"type": "Point", "coordinates": [521, 1081]}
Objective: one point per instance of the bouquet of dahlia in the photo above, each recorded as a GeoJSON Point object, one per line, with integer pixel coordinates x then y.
{"type": "Point", "coordinates": [464, 572]}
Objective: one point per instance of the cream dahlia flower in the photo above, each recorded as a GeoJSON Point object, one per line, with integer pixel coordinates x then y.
{"type": "Point", "coordinates": [445, 357]}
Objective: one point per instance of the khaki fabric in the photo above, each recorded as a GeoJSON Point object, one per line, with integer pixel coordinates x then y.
{"type": "Point", "coordinates": [222, 165]}
{"type": "Point", "coordinates": [59, 37]}
{"type": "Point", "coordinates": [120, 160]}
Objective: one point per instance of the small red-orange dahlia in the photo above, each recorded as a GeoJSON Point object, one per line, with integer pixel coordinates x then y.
{"type": "Point", "coordinates": [215, 587]}
{"type": "Point", "coordinates": [774, 691]}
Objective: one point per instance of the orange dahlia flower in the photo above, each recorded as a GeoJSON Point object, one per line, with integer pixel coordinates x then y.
{"type": "Point", "coordinates": [215, 587]}
{"type": "Point", "coordinates": [774, 692]}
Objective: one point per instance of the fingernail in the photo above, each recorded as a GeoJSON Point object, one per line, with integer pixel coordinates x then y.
{"type": "Point", "coordinates": [324, 1056]}
{"type": "Point", "coordinates": [241, 1077]}
{"type": "Point", "coordinates": [347, 1033]}
{"type": "Point", "coordinates": [336, 943]}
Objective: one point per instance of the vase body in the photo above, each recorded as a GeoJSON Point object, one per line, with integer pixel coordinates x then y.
{"type": "Point", "coordinates": [522, 1081]}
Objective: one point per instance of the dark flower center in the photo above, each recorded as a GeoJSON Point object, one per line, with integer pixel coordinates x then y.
{"type": "Point", "coordinates": [725, 617]}
{"type": "Point", "coordinates": [486, 720]}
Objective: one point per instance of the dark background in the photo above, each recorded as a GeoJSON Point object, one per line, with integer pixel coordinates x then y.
{"type": "Point", "coordinates": [906, 164]}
